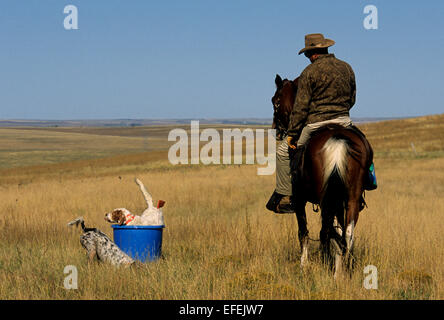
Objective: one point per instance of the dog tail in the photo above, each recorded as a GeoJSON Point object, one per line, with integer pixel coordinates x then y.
{"type": "Point", "coordinates": [77, 222]}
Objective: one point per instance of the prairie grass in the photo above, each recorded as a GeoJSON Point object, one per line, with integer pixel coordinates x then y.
{"type": "Point", "coordinates": [220, 242]}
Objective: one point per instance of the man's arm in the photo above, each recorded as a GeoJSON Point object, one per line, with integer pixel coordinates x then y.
{"type": "Point", "coordinates": [301, 106]}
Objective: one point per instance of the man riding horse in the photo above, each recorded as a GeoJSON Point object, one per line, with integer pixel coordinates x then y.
{"type": "Point", "coordinates": [326, 91]}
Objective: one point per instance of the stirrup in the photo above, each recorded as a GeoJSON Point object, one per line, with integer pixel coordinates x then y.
{"type": "Point", "coordinates": [362, 203]}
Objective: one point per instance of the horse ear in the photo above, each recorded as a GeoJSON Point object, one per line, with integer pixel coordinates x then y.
{"type": "Point", "coordinates": [278, 81]}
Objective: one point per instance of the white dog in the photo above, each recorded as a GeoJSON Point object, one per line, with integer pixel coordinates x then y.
{"type": "Point", "coordinates": [150, 217]}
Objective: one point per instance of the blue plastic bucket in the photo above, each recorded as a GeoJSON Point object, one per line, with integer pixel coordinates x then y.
{"type": "Point", "coordinates": [139, 242]}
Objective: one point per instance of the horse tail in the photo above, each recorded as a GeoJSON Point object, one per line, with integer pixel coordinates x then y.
{"type": "Point", "coordinates": [334, 185]}
{"type": "Point", "coordinates": [335, 152]}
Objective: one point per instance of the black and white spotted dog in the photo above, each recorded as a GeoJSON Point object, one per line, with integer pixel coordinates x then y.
{"type": "Point", "coordinates": [99, 245]}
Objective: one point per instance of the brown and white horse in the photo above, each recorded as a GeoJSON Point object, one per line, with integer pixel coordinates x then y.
{"type": "Point", "coordinates": [334, 168]}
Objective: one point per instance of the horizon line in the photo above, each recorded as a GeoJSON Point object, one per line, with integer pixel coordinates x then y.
{"type": "Point", "coordinates": [191, 118]}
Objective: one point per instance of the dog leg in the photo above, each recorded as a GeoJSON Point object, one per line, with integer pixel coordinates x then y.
{"type": "Point", "coordinates": [146, 195]}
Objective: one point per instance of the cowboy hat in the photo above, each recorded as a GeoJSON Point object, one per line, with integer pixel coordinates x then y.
{"type": "Point", "coordinates": [316, 41]}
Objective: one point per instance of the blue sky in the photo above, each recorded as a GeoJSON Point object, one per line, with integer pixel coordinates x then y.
{"type": "Point", "coordinates": [210, 59]}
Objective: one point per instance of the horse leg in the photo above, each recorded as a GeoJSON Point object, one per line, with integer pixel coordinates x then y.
{"type": "Point", "coordinates": [352, 214]}
{"type": "Point", "coordinates": [303, 232]}
{"type": "Point", "coordinates": [338, 257]}
{"type": "Point", "coordinates": [338, 227]}
{"type": "Point", "coordinates": [326, 234]}
{"type": "Point", "coordinates": [330, 242]}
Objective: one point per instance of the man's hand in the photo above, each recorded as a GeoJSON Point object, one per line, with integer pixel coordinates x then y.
{"type": "Point", "coordinates": [291, 142]}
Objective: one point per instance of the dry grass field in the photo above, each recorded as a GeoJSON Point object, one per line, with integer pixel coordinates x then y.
{"type": "Point", "coordinates": [219, 242]}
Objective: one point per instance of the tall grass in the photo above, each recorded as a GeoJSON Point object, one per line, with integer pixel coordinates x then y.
{"type": "Point", "coordinates": [219, 242]}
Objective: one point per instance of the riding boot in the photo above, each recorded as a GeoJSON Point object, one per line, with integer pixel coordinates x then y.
{"type": "Point", "coordinates": [285, 204]}
{"type": "Point", "coordinates": [280, 203]}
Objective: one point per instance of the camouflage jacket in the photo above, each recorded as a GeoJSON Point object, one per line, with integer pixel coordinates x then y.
{"type": "Point", "coordinates": [326, 90]}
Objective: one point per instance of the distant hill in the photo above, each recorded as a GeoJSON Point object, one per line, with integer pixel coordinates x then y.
{"type": "Point", "coordinates": [148, 122]}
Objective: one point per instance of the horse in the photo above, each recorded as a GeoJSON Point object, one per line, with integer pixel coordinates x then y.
{"type": "Point", "coordinates": [334, 167]}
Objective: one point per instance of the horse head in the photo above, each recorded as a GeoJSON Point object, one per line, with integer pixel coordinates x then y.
{"type": "Point", "coordinates": [283, 101]}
